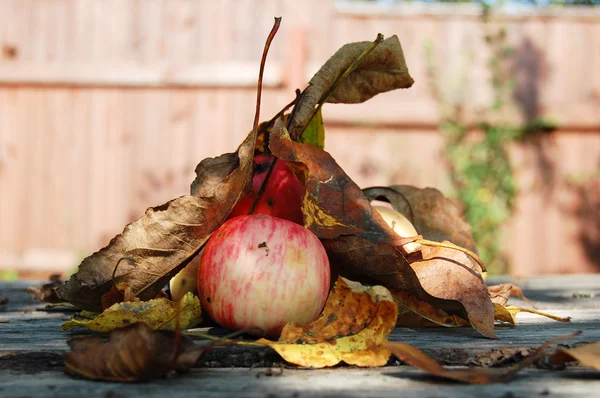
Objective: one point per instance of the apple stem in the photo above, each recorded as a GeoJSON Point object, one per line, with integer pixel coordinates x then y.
{"type": "Point", "coordinates": [263, 186]}
{"type": "Point", "coordinates": [455, 247]}
{"type": "Point", "coordinates": [263, 60]}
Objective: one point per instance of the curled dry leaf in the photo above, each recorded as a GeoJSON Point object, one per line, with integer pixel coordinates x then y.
{"type": "Point", "coordinates": [414, 313]}
{"type": "Point", "coordinates": [448, 274]}
{"type": "Point", "coordinates": [159, 314]}
{"type": "Point", "coordinates": [508, 314]}
{"type": "Point", "coordinates": [382, 70]}
{"type": "Point", "coordinates": [587, 355]}
{"type": "Point", "coordinates": [355, 236]}
{"type": "Point", "coordinates": [133, 353]}
{"type": "Point", "coordinates": [363, 246]}
{"type": "Point", "coordinates": [433, 215]}
{"type": "Point", "coordinates": [167, 237]}
{"type": "Point", "coordinates": [45, 292]}
{"type": "Point", "coordinates": [499, 294]}
{"type": "Point", "coordinates": [120, 292]}
{"type": "Point", "coordinates": [414, 357]}
{"type": "Point", "coordinates": [354, 324]}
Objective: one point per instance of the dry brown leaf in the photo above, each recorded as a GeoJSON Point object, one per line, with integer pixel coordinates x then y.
{"type": "Point", "coordinates": [159, 314]}
{"type": "Point", "coordinates": [134, 353]}
{"type": "Point", "coordinates": [45, 292]}
{"type": "Point", "coordinates": [414, 313]}
{"type": "Point", "coordinates": [382, 70]}
{"type": "Point", "coordinates": [354, 234]}
{"type": "Point", "coordinates": [499, 294]}
{"type": "Point", "coordinates": [120, 292]}
{"type": "Point", "coordinates": [362, 245]}
{"type": "Point", "coordinates": [508, 313]}
{"type": "Point", "coordinates": [433, 215]}
{"type": "Point", "coordinates": [167, 237]}
{"type": "Point", "coordinates": [414, 357]}
{"type": "Point", "coordinates": [448, 274]}
{"type": "Point", "coordinates": [355, 322]}
{"type": "Point", "coordinates": [587, 355]}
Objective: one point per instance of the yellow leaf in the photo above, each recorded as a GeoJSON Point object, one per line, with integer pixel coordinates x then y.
{"type": "Point", "coordinates": [354, 325]}
{"type": "Point", "coordinates": [159, 313]}
{"type": "Point", "coordinates": [508, 314]}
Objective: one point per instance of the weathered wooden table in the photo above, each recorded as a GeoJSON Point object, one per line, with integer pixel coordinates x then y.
{"type": "Point", "coordinates": [31, 365]}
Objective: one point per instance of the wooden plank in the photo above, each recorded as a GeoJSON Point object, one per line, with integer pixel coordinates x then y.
{"type": "Point", "coordinates": [119, 74]}
{"type": "Point", "coordinates": [389, 382]}
{"type": "Point", "coordinates": [32, 345]}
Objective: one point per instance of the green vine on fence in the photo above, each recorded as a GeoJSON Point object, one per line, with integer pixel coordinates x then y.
{"type": "Point", "coordinates": [477, 155]}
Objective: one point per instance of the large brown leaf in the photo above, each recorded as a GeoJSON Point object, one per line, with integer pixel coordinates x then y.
{"type": "Point", "coordinates": [449, 275]}
{"type": "Point", "coordinates": [362, 245]}
{"type": "Point", "coordinates": [134, 353]}
{"type": "Point", "coordinates": [382, 70]}
{"type": "Point", "coordinates": [356, 237]}
{"type": "Point", "coordinates": [587, 355]}
{"type": "Point", "coordinates": [434, 216]}
{"type": "Point", "coordinates": [167, 237]}
{"type": "Point", "coordinates": [414, 357]}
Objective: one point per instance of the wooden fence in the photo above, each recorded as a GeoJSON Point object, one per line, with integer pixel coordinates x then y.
{"type": "Point", "coordinates": [106, 106]}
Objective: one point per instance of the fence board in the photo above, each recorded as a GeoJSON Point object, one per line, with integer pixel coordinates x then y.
{"type": "Point", "coordinates": [106, 106]}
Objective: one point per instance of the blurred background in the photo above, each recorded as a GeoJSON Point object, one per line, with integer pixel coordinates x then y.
{"type": "Point", "coordinates": [106, 107]}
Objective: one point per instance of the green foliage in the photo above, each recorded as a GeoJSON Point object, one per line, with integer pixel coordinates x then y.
{"type": "Point", "coordinates": [477, 156]}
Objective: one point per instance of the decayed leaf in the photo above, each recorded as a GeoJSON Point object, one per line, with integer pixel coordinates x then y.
{"type": "Point", "coordinates": [499, 294]}
{"type": "Point", "coordinates": [120, 292]}
{"type": "Point", "coordinates": [159, 314]}
{"type": "Point", "coordinates": [167, 237]}
{"type": "Point", "coordinates": [337, 212]}
{"type": "Point", "coordinates": [417, 313]}
{"type": "Point", "coordinates": [414, 357]}
{"type": "Point", "coordinates": [433, 215]}
{"type": "Point", "coordinates": [45, 292]}
{"type": "Point", "coordinates": [508, 314]}
{"type": "Point", "coordinates": [449, 275]}
{"type": "Point", "coordinates": [355, 322]}
{"type": "Point", "coordinates": [358, 240]}
{"type": "Point", "coordinates": [587, 355]}
{"type": "Point", "coordinates": [134, 353]}
{"type": "Point", "coordinates": [382, 70]}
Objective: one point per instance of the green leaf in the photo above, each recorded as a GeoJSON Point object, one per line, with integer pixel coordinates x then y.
{"type": "Point", "coordinates": [314, 133]}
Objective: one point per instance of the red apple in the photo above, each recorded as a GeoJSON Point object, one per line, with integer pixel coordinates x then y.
{"type": "Point", "coordinates": [259, 270]}
{"type": "Point", "coordinates": [282, 196]}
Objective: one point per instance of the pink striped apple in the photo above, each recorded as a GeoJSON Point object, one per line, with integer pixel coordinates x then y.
{"type": "Point", "coordinates": [264, 271]}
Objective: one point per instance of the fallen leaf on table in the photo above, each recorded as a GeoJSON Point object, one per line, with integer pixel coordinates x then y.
{"type": "Point", "coordinates": [45, 292]}
{"type": "Point", "coordinates": [587, 355]}
{"type": "Point", "coordinates": [382, 70]}
{"type": "Point", "coordinates": [434, 216]}
{"type": "Point", "coordinates": [448, 274]}
{"type": "Point", "coordinates": [159, 314]}
{"type": "Point", "coordinates": [133, 353]}
{"type": "Point", "coordinates": [413, 313]}
{"type": "Point", "coordinates": [508, 314]}
{"type": "Point", "coordinates": [160, 243]}
{"type": "Point", "coordinates": [499, 294]}
{"type": "Point", "coordinates": [354, 324]}
{"type": "Point", "coordinates": [414, 357]}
